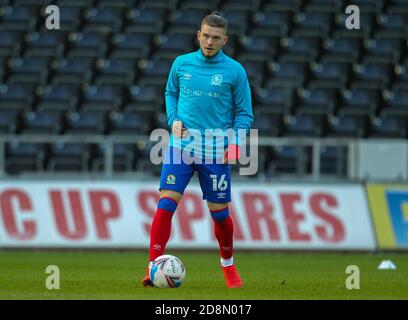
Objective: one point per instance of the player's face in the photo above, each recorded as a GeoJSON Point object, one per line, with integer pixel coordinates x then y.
{"type": "Point", "coordinates": [211, 39]}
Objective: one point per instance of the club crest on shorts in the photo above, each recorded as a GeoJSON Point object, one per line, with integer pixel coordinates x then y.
{"type": "Point", "coordinates": [216, 79]}
{"type": "Point", "coordinates": [171, 179]}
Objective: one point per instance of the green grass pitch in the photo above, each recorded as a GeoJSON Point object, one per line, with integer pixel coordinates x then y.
{"type": "Point", "coordinates": [116, 275]}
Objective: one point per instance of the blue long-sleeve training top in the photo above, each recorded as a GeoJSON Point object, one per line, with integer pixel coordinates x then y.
{"type": "Point", "coordinates": [208, 93]}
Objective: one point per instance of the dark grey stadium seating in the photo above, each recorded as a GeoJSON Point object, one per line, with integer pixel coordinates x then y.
{"type": "Point", "coordinates": [105, 70]}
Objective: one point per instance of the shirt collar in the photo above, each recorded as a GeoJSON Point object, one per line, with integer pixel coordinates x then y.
{"type": "Point", "coordinates": [218, 57]}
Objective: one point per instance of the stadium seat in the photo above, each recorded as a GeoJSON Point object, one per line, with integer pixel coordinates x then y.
{"type": "Point", "coordinates": [389, 127]}
{"type": "Point", "coordinates": [342, 49]}
{"type": "Point", "coordinates": [143, 97]}
{"type": "Point", "coordinates": [57, 97]}
{"type": "Point", "coordinates": [72, 71]}
{"type": "Point", "coordinates": [194, 4]}
{"type": "Point", "coordinates": [131, 45]}
{"type": "Point", "coordinates": [397, 6]}
{"type": "Point", "coordinates": [185, 21]}
{"type": "Point", "coordinates": [82, 4]}
{"type": "Point", "coordinates": [383, 50]}
{"type": "Point", "coordinates": [68, 157]}
{"type": "Point", "coordinates": [319, 101]}
{"type": "Point", "coordinates": [122, 4]}
{"type": "Point", "coordinates": [102, 20]}
{"type": "Point", "coordinates": [281, 5]}
{"type": "Point", "coordinates": [31, 3]}
{"type": "Point", "coordinates": [104, 97]}
{"type": "Point", "coordinates": [268, 125]}
{"type": "Point", "coordinates": [372, 76]}
{"type": "Point", "coordinates": [16, 96]}
{"type": "Point", "coordinates": [158, 4]}
{"type": "Point", "coordinates": [333, 161]}
{"type": "Point", "coordinates": [132, 122]}
{"type": "Point", "coordinates": [284, 160]}
{"type": "Point", "coordinates": [396, 103]}
{"type": "Point", "coordinates": [155, 72]}
{"type": "Point", "coordinates": [304, 125]}
{"type": "Point", "coordinates": [28, 70]}
{"type": "Point", "coordinates": [255, 71]}
{"type": "Point", "coordinates": [169, 46]}
{"type": "Point", "coordinates": [329, 75]}
{"type": "Point", "coordinates": [250, 5]}
{"type": "Point", "coordinates": [18, 18]}
{"type": "Point", "coordinates": [124, 157]}
{"type": "Point", "coordinates": [347, 126]}
{"type": "Point", "coordinates": [144, 20]}
{"type": "Point", "coordinates": [312, 24]}
{"type": "Point", "coordinates": [24, 157]}
{"type": "Point", "coordinates": [289, 74]}
{"type": "Point", "coordinates": [302, 49]}
{"type": "Point", "coordinates": [260, 48]}
{"type": "Point", "coordinates": [85, 122]}
{"type": "Point", "coordinates": [238, 21]}
{"type": "Point", "coordinates": [372, 6]}
{"type": "Point", "coordinates": [115, 71]}
{"type": "Point", "coordinates": [275, 23]}
{"type": "Point", "coordinates": [45, 44]}
{"type": "Point", "coordinates": [359, 102]}
{"type": "Point", "coordinates": [41, 122]}
{"type": "Point", "coordinates": [87, 45]}
{"type": "Point", "coordinates": [144, 163]}
{"type": "Point", "coordinates": [393, 25]}
{"type": "Point", "coordinates": [277, 100]}
{"type": "Point", "coordinates": [323, 6]}
{"type": "Point", "coordinates": [8, 121]}
{"type": "Point", "coordinates": [10, 42]}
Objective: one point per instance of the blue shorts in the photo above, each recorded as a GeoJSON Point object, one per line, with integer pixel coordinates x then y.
{"type": "Point", "coordinates": [215, 179]}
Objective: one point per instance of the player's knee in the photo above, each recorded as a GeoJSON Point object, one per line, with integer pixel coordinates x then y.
{"type": "Point", "coordinates": [176, 196]}
{"type": "Point", "coordinates": [219, 211]}
{"type": "Point", "coordinates": [169, 200]}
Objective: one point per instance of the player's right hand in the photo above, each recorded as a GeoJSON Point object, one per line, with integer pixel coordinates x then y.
{"type": "Point", "coordinates": [178, 129]}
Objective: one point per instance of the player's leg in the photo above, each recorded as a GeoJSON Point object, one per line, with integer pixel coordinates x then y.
{"type": "Point", "coordinates": [224, 233]}
{"type": "Point", "coordinates": [215, 181]}
{"type": "Point", "coordinates": [161, 227]}
{"type": "Point", "coordinates": [174, 180]}
{"type": "Point", "coordinates": [161, 224]}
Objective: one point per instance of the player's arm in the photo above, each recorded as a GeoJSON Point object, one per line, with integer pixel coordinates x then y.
{"type": "Point", "coordinates": [171, 97]}
{"type": "Point", "coordinates": [243, 115]}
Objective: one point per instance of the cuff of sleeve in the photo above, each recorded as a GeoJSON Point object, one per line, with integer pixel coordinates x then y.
{"type": "Point", "coordinates": [239, 138]}
{"type": "Point", "coordinates": [233, 152]}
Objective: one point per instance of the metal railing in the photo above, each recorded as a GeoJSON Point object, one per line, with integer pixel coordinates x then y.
{"type": "Point", "coordinates": [314, 144]}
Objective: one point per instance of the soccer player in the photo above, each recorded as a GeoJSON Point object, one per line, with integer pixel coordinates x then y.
{"type": "Point", "coordinates": [205, 90]}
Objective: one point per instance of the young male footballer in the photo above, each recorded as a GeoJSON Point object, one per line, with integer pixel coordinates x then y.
{"type": "Point", "coordinates": [206, 90]}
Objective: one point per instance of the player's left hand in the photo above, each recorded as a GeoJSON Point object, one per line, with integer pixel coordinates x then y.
{"type": "Point", "coordinates": [232, 154]}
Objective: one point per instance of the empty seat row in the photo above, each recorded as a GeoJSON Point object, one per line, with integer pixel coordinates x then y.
{"type": "Point", "coordinates": [68, 157]}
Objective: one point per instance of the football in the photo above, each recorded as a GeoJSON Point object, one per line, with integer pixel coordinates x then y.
{"type": "Point", "coordinates": [167, 271]}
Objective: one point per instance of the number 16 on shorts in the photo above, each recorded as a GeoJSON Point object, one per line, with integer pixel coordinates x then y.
{"type": "Point", "coordinates": [219, 185]}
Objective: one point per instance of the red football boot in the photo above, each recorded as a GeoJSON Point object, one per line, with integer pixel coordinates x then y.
{"type": "Point", "coordinates": [146, 282]}
{"type": "Point", "coordinates": [232, 278]}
